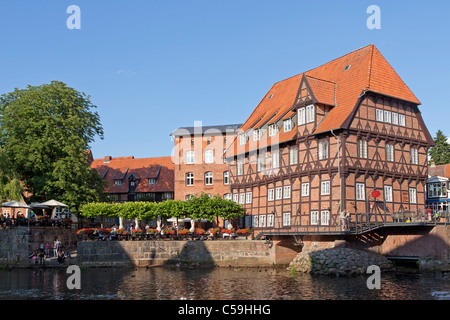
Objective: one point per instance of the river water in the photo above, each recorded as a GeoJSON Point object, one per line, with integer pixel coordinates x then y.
{"type": "Point", "coordinates": [215, 284]}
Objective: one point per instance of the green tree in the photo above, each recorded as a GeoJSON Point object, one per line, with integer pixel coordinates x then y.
{"type": "Point", "coordinates": [11, 188]}
{"type": "Point", "coordinates": [440, 152]}
{"type": "Point", "coordinates": [46, 132]}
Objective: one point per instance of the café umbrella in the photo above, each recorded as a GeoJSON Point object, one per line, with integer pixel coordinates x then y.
{"type": "Point", "coordinates": [54, 204]}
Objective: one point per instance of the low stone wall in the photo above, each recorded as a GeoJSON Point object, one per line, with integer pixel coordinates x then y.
{"type": "Point", "coordinates": [157, 253]}
{"type": "Point", "coordinates": [14, 246]}
{"type": "Point", "coordinates": [338, 262]}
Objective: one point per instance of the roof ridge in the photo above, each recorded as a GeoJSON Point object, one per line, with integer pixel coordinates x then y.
{"type": "Point", "coordinates": [370, 68]}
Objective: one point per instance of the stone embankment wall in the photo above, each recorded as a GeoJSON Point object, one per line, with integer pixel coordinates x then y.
{"type": "Point", "coordinates": [16, 244]}
{"type": "Point", "coordinates": [200, 253]}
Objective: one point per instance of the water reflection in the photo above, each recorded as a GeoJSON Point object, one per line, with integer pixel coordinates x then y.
{"type": "Point", "coordinates": [215, 283]}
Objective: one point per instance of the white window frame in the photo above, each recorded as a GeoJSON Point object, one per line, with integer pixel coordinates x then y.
{"type": "Point", "coordinates": [286, 192]}
{"type": "Point", "coordinates": [226, 177]}
{"type": "Point", "coordinates": [256, 134]}
{"type": "Point", "coordinates": [414, 156]}
{"type": "Point", "coordinates": [228, 196]}
{"type": "Point", "coordinates": [248, 197]}
{"type": "Point", "coordinates": [262, 221]}
{"type": "Point", "coordinates": [287, 125]}
{"type": "Point", "coordinates": [273, 130]}
{"type": "Point", "coordinates": [241, 198]}
{"type": "Point", "coordinates": [242, 139]}
{"type": "Point", "coordinates": [209, 178]}
{"type": "Point", "coordinates": [279, 193]}
{"type": "Point", "coordinates": [118, 182]}
{"type": "Point", "coordinates": [275, 160]}
{"type": "Point", "coordinates": [261, 163]}
{"type": "Point", "coordinates": [310, 113]}
{"type": "Point", "coordinates": [324, 217]}
{"type": "Point", "coordinates": [323, 150]}
{"type": "Point", "coordinates": [314, 220]}
{"type": "Point", "coordinates": [395, 118]}
{"type": "Point", "coordinates": [362, 149]}
{"type": "Point", "coordinates": [240, 167]}
{"type": "Point", "coordinates": [209, 156]}
{"type": "Point", "coordinates": [325, 188]}
{"type": "Point", "coordinates": [270, 194]}
{"type": "Point", "coordinates": [412, 195]}
{"type": "Point", "coordinates": [270, 220]}
{"type": "Point", "coordinates": [151, 181]}
{"type": "Point", "coordinates": [301, 114]}
{"type": "Point", "coordinates": [379, 115]}
{"type": "Point", "coordinates": [388, 194]}
{"type": "Point", "coordinates": [293, 156]}
{"type": "Point", "coordinates": [360, 191]}
{"type": "Point", "coordinates": [305, 189]}
{"type": "Point", "coordinates": [190, 157]}
{"type": "Point", "coordinates": [402, 120]}
{"type": "Point", "coordinates": [390, 152]}
{"type": "Point", "coordinates": [255, 221]}
{"type": "Point", "coordinates": [236, 197]}
{"type": "Point", "coordinates": [286, 219]}
{"type": "Point", "coordinates": [189, 179]}
{"type": "Point", "coordinates": [387, 116]}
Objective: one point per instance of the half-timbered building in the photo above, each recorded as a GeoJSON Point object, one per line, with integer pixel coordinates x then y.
{"type": "Point", "coordinates": [347, 135]}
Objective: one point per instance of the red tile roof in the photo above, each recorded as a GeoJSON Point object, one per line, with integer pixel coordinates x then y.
{"type": "Point", "coordinates": [338, 83]}
{"type": "Point", "coordinates": [161, 168]}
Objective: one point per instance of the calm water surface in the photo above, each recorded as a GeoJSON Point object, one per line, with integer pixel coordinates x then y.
{"type": "Point", "coordinates": [215, 283]}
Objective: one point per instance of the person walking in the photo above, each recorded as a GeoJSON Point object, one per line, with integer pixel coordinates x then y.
{"type": "Point", "coordinates": [47, 250]}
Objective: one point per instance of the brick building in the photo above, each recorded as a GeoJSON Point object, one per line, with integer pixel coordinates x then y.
{"type": "Point", "coordinates": [324, 141]}
{"type": "Point", "coordinates": [131, 179]}
{"type": "Point", "coordinates": [198, 160]}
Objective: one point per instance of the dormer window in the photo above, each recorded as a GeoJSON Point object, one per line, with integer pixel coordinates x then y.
{"type": "Point", "coordinates": [310, 113]}
{"type": "Point", "coordinates": [152, 181]}
{"type": "Point", "coordinates": [287, 125]}
{"type": "Point", "coordinates": [273, 130]}
{"type": "Point", "coordinates": [242, 139]}
{"type": "Point", "coordinates": [256, 134]}
{"type": "Point", "coordinates": [117, 182]}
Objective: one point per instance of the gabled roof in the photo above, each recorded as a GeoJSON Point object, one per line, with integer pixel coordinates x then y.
{"type": "Point", "coordinates": [339, 83]}
{"type": "Point", "coordinates": [122, 168]}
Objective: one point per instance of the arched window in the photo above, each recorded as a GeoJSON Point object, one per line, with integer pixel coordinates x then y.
{"type": "Point", "coordinates": [208, 178]}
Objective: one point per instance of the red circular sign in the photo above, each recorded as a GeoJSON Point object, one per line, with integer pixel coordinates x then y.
{"type": "Point", "coordinates": [376, 194]}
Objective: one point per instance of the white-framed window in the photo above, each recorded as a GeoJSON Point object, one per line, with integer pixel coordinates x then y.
{"type": "Point", "coordinates": [401, 120]}
{"type": "Point", "coordinates": [209, 156]}
{"type": "Point", "coordinates": [208, 178]}
{"type": "Point", "coordinates": [275, 159]}
{"type": "Point", "coordinates": [286, 219]}
{"type": "Point", "coordinates": [226, 177]}
{"type": "Point", "coordinates": [362, 149]}
{"type": "Point", "coordinates": [261, 163]}
{"type": "Point", "coordinates": [132, 183]}
{"type": "Point", "coordinates": [325, 217]}
{"type": "Point", "coordinates": [323, 150]}
{"type": "Point", "coordinates": [314, 218]}
{"type": "Point", "coordinates": [227, 196]}
{"type": "Point", "coordinates": [117, 182]}
{"type": "Point", "coordinates": [325, 188]}
{"type": "Point", "coordinates": [262, 221]}
{"type": "Point", "coordinates": [248, 197]}
{"type": "Point", "coordinates": [242, 139]}
{"type": "Point", "coordinates": [190, 158]}
{"type": "Point", "coordinates": [168, 195]}
{"type": "Point", "coordinates": [412, 195]}
{"type": "Point", "coordinates": [301, 116]}
{"type": "Point", "coordinates": [255, 221]}
{"type": "Point", "coordinates": [395, 118]}
{"type": "Point", "coordinates": [360, 191]}
{"type": "Point", "coordinates": [379, 114]}
{"type": "Point", "coordinates": [152, 181]}
{"type": "Point", "coordinates": [310, 113]}
{"type": "Point", "coordinates": [270, 194]}
{"type": "Point", "coordinates": [241, 198]}
{"type": "Point", "coordinates": [236, 197]}
{"type": "Point", "coordinates": [388, 193]}
{"type": "Point", "coordinates": [387, 116]}
{"type": "Point", "coordinates": [278, 193]}
{"type": "Point", "coordinates": [414, 156]}
{"type": "Point", "coordinates": [305, 189]}
{"type": "Point", "coordinates": [293, 156]}
{"type": "Point", "coordinates": [389, 152]}
{"type": "Point", "coordinates": [270, 220]}
{"type": "Point", "coordinates": [188, 196]}
{"type": "Point", "coordinates": [273, 130]}
{"type": "Point", "coordinates": [240, 167]}
{"type": "Point", "coordinates": [189, 179]}
{"type": "Point", "coordinates": [286, 192]}
{"type": "Point", "coordinates": [256, 134]}
{"type": "Point", "coordinates": [287, 125]}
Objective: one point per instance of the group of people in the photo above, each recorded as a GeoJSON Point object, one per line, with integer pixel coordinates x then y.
{"type": "Point", "coordinates": [39, 256]}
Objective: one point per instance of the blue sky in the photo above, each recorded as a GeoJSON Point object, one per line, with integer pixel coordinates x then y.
{"type": "Point", "coordinates": [154, 66]}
